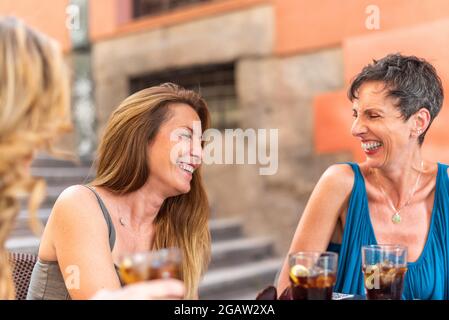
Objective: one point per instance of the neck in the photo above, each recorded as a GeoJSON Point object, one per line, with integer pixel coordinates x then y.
{"type": "Point", "coordinates": [143, 206]}
{"type": "Point", "coordinates": [399, 179]}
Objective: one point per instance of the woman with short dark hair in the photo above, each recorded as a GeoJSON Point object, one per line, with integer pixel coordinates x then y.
{"type": "Point", "coordinates": [393, 197]}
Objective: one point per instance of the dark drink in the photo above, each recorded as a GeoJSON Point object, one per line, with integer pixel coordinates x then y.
{"type": "Point", "coordinates": [390, 282]}
{"type": "Point", "coordinates": [319, 287]}
{"type": "Point", "coordinates": [313, 275]}
{"type": "Point", "coordinates": [384, 268]}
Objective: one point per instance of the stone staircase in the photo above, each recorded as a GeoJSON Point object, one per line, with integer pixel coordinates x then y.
{"type": "Point", "coordinates": [240, 266]}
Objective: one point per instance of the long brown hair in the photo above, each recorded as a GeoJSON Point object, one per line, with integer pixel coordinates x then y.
{"type": "Point", "coordinates": [122, 167]}
{"type": "Point", "coordinates": [34, 109]}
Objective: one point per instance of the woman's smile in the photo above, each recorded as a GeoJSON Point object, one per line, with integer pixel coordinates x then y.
{"type": "Point", "coordinates": [371, 147]}
{"type": "Point", "coordinates": [186, 169]}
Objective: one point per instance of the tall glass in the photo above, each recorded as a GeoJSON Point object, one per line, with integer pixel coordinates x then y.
{"type": "Point", "coordinates": [384, 268]}
{"type": "Point", "coordinates": [313, 275]}
{"type": "Point", "coordinates": [151, 265]}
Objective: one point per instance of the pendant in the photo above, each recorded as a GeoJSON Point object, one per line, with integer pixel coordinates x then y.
{"type": "Point", "coordinates": [396, 218]}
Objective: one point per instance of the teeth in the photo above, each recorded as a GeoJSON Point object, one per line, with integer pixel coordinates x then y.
{"type": "Point", "coordinates": [371, 145]}
{"type": "Point", "coordinates": [186, 167]}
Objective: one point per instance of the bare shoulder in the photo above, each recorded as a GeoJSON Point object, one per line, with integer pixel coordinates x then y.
{"type": "Point", "coordinates": [77, 203]}
{"type": "Point", "coordinates": [339, 177]}
{"type": "Point", "coordinates": [324, 208]}
{"type": "Point", "coordinates": [335, 185]}
{"type": "Point", "coordinates": [76, 195]}
{"type": "Point", "coordinates": [75, 215]}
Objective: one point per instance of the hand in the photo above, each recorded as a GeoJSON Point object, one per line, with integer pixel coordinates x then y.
{"type": "Point", "coordinates": [168, 289]}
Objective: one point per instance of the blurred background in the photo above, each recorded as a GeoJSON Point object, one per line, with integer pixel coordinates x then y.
{"type": "Point", "coordinates": [282, 64]}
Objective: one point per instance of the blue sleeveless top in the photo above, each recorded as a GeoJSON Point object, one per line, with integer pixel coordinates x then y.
{"type": "Point", "coordinates": [427, 277]}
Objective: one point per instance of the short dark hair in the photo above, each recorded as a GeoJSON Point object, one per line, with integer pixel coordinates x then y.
{"type": "Point", "coordinates": [412, 81]}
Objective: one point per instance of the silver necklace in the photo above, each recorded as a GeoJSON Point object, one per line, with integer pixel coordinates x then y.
{"type": "Point", "coordinates": [121, 220]}
{"type": "Point", "coordinates": [396, 218]}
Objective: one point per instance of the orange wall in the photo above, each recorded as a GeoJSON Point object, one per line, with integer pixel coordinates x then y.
{"type": "Point", "coordinates": [108, 21]}
{"type": "Point", "coordinates": [308, 24]}
{"type": "Point", "coordinates": [103, 17]}
{"type": "Point", "coordinates": [300, 24]}
{"type": "Point", "coordinates": [332, 123]}
{"type": "Point", "coordinates": [429, 40]}
{"type": "Point", "coordinates": [47, 16]}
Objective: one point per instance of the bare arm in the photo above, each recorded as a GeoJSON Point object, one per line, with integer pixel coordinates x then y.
{"type": "Point", "coordinates": [326, 203]}
{"type": "Point", "coordinates": [81, 242]}
{"type": "Point", "coordinates": [151, 290]}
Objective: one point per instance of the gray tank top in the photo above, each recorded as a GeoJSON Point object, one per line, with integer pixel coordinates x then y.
{"type": "Point", "coordinates": [47, 282]}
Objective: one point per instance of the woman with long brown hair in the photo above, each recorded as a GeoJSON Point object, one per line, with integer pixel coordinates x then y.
{"type": "Point", "coordinates": [34, 111]}
{"type": "Point", "coordinates": [147, 195]}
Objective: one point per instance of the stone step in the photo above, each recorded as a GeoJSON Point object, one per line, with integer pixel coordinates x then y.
{"type": "Point", "coordinates": [225, 228]}
{"type": "Point", "coordinates": [27, 244]}
{"type": "Point", "coordinates": [63, 175]}
{"type": "Point", "coordinates": [58, 163]}
{"type": "Point", "coordinates": [240, 250]}
{"type": "Point", "coordinates": [21, 228]}
{"type": "Point", "coordinates": [51, 195]}
{"type": "Point", "coordinates": [44, 160]}
{"type": "Point", "coordinates": [256, 275]}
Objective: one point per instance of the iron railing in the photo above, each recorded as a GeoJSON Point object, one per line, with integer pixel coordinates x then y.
{"type": "Point", "coordinates": [215, 83]}
{"type": "Point", "coordinates": [152, 7]}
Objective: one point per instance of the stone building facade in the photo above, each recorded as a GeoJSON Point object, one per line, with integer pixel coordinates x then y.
{"type": "Point", "coordinates": [292, 61]}
{"type": "Point", "coordinates": [273, 92]}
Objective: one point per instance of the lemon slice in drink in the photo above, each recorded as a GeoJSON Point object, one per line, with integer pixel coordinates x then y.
{"type": "Point", "coordinates": [298, 270]}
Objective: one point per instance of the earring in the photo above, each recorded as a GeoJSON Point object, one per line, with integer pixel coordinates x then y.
{"type": "Point", "coordinates": [418, 132]}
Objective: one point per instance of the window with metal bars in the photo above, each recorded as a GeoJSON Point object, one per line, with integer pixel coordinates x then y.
{"type": "Point", "coordinates": [215, 83]}
{"type": "Point", "coordinates": [151, 7]}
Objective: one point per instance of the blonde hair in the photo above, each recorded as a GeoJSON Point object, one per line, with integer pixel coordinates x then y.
{"type": "Point", "coordinates": [34, 109]}
{"type": "Point", "coordinates": [122, 167]}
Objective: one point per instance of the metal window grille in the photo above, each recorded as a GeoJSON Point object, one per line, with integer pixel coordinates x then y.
{"type": "Point", "coordinates": [215, 83]}
{"type": "Point", "coordinates": [151, 7]}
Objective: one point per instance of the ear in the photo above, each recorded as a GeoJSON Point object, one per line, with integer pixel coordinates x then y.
{"type": "Point", "coordinates": [421, 121]}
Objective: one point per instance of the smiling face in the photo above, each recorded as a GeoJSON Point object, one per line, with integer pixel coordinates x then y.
{"type": "Point", "coordinates": [175, 152]}
{"type": "Point", "coordinates": [384, 134]}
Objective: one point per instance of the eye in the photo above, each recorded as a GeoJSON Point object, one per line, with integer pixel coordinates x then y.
{"type": "Point", "coordinates": [374, 116]}
{"type": "Point", "coordinates": [186, 136]}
